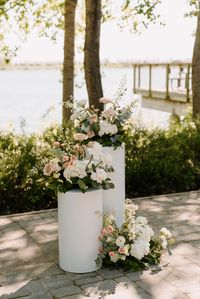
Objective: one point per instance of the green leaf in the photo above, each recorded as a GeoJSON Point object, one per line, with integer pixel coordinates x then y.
{"type": "Point", "coordinates": [82, 185]}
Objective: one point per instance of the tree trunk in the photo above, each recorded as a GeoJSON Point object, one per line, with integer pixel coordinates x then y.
{"type": "Point", "coordinates": [196, 71]}
{"type": "Point", "coordinates": [91, 52]}
{"type": "Point", "coordinates": [68, 64]}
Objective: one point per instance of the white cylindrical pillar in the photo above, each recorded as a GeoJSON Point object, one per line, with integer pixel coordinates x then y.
{"type": "Point", "coordinates": [114, 199]}
{"type": "Point", "coordinates": [79, 224]}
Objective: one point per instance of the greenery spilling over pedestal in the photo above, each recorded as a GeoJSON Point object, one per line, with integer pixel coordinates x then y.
{"type": "Point", "coordinates": [158, 162]}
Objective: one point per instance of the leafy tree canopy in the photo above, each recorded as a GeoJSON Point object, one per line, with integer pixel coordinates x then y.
{"type": "Point", "coordinates": [194, 8]}
{"type": "Point", "coordinates": [22, 16]}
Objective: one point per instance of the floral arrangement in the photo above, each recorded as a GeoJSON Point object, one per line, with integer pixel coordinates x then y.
{"type": "Point", "coordinates": [134, 245]}
{"type": "Point", "coordinates": [78, 166]}
{"type": "Point", "coordinates": [107, 126]}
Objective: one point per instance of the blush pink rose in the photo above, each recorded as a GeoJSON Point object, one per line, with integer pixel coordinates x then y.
{"type": "Point", "coordinates": [104, 231]}
{"type": "Point", "coordinates": [111, 253]}
{"type": "Point", "coordinates": [110, 229]}
{"type": "Point", "coordinates": [65, 158]}
{"type": "Point", "coordinates": [80, 137]}
{"type": "Point", "coordinates": [105, 101]}
{"type": "Point", "coordinates": [56, 144]}
{"type": "Point", "coordinates": [121, 250]}
{"type": "Point", "coordinates": [93, 119]}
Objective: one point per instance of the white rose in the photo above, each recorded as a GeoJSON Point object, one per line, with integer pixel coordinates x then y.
{"type": "Point", "coordinates": [99, 176]}
{"type": "Point", "coordinates": [120, 241]}
{"type": "Point", "coordinates": [76, 170]}
{"type": "Point", "coordinates": [139, 249]}
{"type": "Point", "coordinates": [79, 169]}
{"type": "Point", "coordinates": [95, 151]}
{"type": "Point", "coordinates": [67, 174]}
{"type": "Point", "coordinates": [107, 128]}
{"type": "Point", "coordinates": [108, 113]}
{"type": "Point", "coordinates": [145, 232]}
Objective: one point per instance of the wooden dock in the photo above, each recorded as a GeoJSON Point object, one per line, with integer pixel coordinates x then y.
{"type": "Point", "coordinates": [174, 81]}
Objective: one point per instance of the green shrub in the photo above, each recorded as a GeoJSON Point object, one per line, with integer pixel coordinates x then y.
{"type": "Point", "coordinates": [157, 162]}
{"type": "Point", "coordinates": [21, 187]}
{"type": "Point", "coordinates": [22, 158]}
{"type": "Point", "coordinates": [162, 161]}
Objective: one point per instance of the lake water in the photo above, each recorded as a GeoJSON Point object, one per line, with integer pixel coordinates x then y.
{"type": "Point", "coordinates": [34, 97]}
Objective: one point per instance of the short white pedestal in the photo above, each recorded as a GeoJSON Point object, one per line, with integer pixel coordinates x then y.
{"type": "Point", "coordinates": [80, 224]}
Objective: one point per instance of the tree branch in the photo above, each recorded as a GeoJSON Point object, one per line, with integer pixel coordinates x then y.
{"type": "Point", "coordinates": [17, 3]}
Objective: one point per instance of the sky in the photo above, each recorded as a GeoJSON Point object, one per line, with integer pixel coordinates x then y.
{"type": "Point", "coordinates": [173, 41]}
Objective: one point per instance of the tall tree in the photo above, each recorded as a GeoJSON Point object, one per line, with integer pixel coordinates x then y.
{"type": "Point", "coordinates": [91, 52]}
{"type": "Point", "coordinates": [134, 14]}
{"type": "Point", "coordinates": [196, 71]}
{"type": "Point", "coordinates": [68, 63]}
{"type": "Point", "coordinates": [52, 16]}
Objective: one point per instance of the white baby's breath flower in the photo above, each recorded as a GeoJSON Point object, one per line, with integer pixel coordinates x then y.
{"type": "Point", "coordinates": [68, 104]}
{"type": "Point", "coordinates": [166, 232]}
{"type": "Point", "coordinates": [56, 175]}
{"type": "Point", "coordinates": [120, 241]}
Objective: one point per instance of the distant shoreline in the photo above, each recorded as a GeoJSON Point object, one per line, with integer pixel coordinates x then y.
{"type": "Point", "coordinates": [58, 66]}
{"type": "Point", "coordinates": [31, 66]}
{"type": "Point", "coordinates": [53, 66]}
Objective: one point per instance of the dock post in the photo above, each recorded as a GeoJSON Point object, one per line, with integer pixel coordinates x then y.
{"type": "Point", "coordinates": [167, 81]}
{"type": "Point", "coordinates": [150, 80]}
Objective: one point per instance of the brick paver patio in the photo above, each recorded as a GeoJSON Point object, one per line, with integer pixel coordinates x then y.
{"type": "Point", "coordinates": [29, 257]}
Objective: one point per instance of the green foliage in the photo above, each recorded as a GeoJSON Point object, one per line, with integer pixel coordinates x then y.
{"type": "Point", "coordinates": [157, 162]}
{"type": "Point", "coordinates": [161, 161]}
{"type": "Point", "coordinates": [194, 8]}
{"type": "Point", "coordinates": [21, 185]}
{"type": "Point", "coordinates": [133, 264]}
{"type": "Point", "coordinates": [21, 16]}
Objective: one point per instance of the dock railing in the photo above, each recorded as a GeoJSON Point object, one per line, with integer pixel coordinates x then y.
{"type": "Point", "coordinates": [167, 81]}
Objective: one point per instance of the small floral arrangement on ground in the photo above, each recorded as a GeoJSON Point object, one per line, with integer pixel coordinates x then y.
{"type": "Point", "coordinates": [78, 166]}
{"type": "Point", "coordinates": [107, 126]}
{"type": "Point", "coordinates": [134, 245]}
